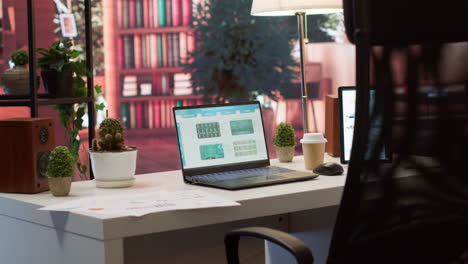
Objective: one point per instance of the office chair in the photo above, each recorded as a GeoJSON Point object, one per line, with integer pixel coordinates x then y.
{"type": "Point", "coordinates": [385, 218]}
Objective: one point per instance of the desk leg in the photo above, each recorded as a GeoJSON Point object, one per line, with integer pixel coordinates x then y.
{"type": "Point", "coordinates": [23, 242]}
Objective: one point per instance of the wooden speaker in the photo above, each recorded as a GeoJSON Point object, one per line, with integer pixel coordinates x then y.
{"type": "Point", "coordinates": [25, 145]}
{"type": "Point", "coordinates": [332, 125]}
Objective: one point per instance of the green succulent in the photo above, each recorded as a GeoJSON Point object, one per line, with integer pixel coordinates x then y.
{"type": "Point", "coordinates": [20, 58]}
{"type": "Point", "coordinates": [111, 136]}
{"type": "Point", "coordinates": [61, 163]}
{"type": "Point", "coordinates": [285, 136]}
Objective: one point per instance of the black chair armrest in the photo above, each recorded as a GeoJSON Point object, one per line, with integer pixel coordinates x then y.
{"type": "Point", "coordinates": [295, 246]}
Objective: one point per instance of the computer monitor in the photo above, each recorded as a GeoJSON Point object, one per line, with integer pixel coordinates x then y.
{"type": "Point", "coordinates": [347, 106]}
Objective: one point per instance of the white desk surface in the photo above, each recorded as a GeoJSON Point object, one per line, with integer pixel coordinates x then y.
{"type": "Point", "coordinates": [257, 202]}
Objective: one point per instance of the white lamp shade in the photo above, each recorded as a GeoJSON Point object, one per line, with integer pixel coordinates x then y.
{"type": "Point", "coordinates": [290, 7]}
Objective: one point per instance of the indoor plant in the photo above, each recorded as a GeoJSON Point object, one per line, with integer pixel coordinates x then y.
{"type": "Point", "coordinates": [285, 141]}
{"type": "Point", "coordinates": [113, 163]}
{"type": "Point", "coordinates": [61, 70]}
{"type": "Point", "coordinates": [16, 79]}
{"type": "Point", "coordinates": [60, 170]}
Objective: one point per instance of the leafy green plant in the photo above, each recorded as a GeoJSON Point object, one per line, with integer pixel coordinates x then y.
{"type": "Point", "coordinates": [71, 118]}
{"type": "Point", "coordinates": [111, 136]}
{"type": "Point", "coordinates": [20, 58]}
{"type": "Point", "coordinates": [61, 56]}
{"type": "Point", "coordinates": [60, 163]}
{"type": "Point", "coordinates": [239, 56]}
{"type": "Point", "coordinates": [285, 136]}
{"type": "Point", "coordinates": [58, 57]}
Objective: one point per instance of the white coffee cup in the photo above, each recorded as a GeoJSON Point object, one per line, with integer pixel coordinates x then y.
{"type": "Point", "coordinates": [313, 147]}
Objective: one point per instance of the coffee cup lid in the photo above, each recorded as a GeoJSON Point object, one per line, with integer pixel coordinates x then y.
{"type": "Point", "coordinates": [313, 138]}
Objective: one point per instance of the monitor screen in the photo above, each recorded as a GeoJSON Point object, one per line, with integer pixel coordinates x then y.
{"type": "Point", "coordinates": [218, 135]}
{"type": "Point", "coordinates": [347, 105]}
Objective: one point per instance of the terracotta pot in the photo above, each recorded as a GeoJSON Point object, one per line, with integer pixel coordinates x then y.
{"type": "Point", "coordinates": [114, 169]}
{"type": "Point", "coordinates": [284, 154]}
{"type": "Point", "coordinates": [60, 186]}
{"type": "Point", "coordinates": [16, 81]}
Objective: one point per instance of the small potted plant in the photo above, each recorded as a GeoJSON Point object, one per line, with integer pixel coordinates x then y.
{"type": "Point", "coordinates": [285, 141]}
{"type": "Point", "coordinates": [112, 161]}
{"type": "Point", "coordinates": [16, 79]}
{"type": "Point", "coordinates": [58, 64]}
{"type": "Point", "coordinates": [60, 170]}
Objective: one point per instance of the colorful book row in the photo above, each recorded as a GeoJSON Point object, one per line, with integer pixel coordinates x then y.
{"type": "Point", "coordinates": [152, 114]}
{"type": "Point", "coordinates": [157, 84]}
{"type": "Point", "coordinates": [154, 50]}
{"type": "Point", "coordinates": [153, 13]}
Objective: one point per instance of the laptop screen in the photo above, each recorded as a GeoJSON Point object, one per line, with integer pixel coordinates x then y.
{"type": "Point", "coordinates": [219, 135]}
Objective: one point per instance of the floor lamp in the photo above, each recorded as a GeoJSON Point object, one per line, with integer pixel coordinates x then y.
{"type": "Point", "coordinates": [298, 8]}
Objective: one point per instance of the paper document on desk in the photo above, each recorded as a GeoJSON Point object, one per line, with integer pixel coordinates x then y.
{"type": "Point", "coordinates": [142, 204]}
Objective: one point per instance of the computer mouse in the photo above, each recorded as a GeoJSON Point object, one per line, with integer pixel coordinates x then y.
{"type": "Point", "coordinates": [329, 169]}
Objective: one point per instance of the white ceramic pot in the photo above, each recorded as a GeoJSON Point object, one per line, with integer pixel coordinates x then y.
{"type": "Point", "coordinates": [114, 169]}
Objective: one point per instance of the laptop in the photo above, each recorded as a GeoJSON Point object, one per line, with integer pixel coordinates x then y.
{"type": "Point", "coordinates": [224, 146]}
{"type": "Point", "coordinates": [347, 108]}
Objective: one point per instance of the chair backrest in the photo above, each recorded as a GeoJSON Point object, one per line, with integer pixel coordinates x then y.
{"type": "Point", "coordinates": [409, 21]}
{"type": "Point", "coordinates": [385, 216]}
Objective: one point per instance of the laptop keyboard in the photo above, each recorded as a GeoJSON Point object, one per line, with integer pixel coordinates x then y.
{"type": "Point", "coordinates": [238, 174]}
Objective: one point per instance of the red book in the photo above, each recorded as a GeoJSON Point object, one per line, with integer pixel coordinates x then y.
{"type": "Point", "coordinates": [150, 13]}
{"type": "Point", "coordinates": [154, 50]}
{"type": "Point", "coordinates": [157, 114]}
{"type": "Point", "coordinates": [163, 113]}
{"type": "Point", "coordinates": [190, 44]}
{"type": "Point", "coordinates": [145, 13]}
{"type": "Point", "coordinates": [176, 47]}
{"type": "Point", "coordinates": [170, 50]}
{"type": "Point", "coordinates": [150, 115]}
{"type": "Point", "coordinates": [138, 51]}
{"type": "Point", "coordinates": [131, 13]}
{"type": "Point", "coordinates": [132, 115]}
{"type": "Point", "coordinates": [118, 6]}
{"type": "Point", "coordinates": [183, 47]}
{"type": "Point", "coordinates": [168, 12]}
{"type": "Point", "coordinates": [168, 113]}
{"type": "Point", "coordinates": [164, 49]}
{"type": "Point", "coordinates": [139, 115]}
{"type": "Point", "coordinates": [186, 12]}
{"type": "Point", "coordinates": [144, 105]}
{"type": "Point", "coordinates": [120, 52]}
{"type": "Point", "coordinates": [157, 89]}
{"type": "Point", "coordinates": [144, 50]}
{"type": "Point", "coordinates": [176, 13]}
{"type": "Point", "coordinates": [149, 50]}
{"type": "Point", "coordinates": [171, 116]}
{"type": "Point", "coordinates": [124, 13]}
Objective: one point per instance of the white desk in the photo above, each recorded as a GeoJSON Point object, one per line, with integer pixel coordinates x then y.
{"type": "Point", "coordinates": [32, 236]}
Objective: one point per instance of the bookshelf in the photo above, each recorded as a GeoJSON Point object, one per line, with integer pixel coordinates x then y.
{"type": "Point", "coordinates": [151, 40]}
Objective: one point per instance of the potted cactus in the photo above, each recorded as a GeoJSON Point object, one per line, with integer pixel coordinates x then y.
{"type": "Point", "coordinates": [112, 161]}
{"type": "Point", "coordinates": [285, 141]}
{"type": "Point", "coordinates": [60, 170]}
{"type": "Point", "coordinates": [16, 80]}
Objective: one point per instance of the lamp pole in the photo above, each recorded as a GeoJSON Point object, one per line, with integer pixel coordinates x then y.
{"type": "Point", "coordinates": [304, 93]}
